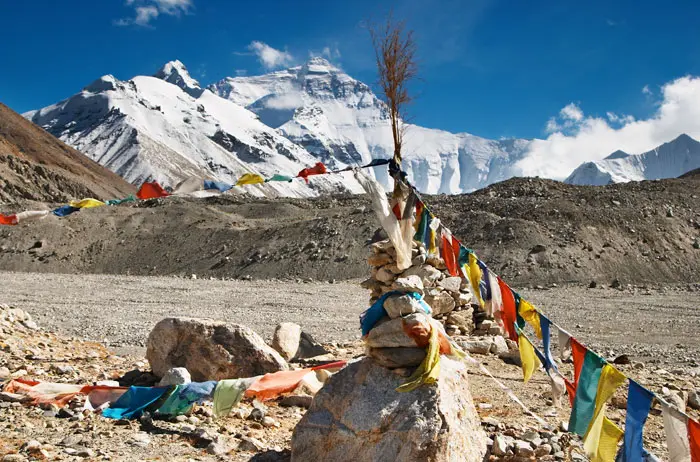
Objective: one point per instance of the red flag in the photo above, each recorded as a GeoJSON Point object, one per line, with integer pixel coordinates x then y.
{"type": "Point", "coordinates": [449, 256]}
{"type": "Point", "coordinates": [508, 309]}
{"type": "Point", "coordinates": [8, 219]}
{"type": "Point", "coordinates": [694, 439]}
{"type": "Point", "coordinates": [151, 190]}
{"type": "Point", "coordinates": [578, 352]}
{"type": "Point", "coordinates": [317, 169]}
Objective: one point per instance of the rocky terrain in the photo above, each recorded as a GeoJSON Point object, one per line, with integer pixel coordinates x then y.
{"type": "Point", "coordinates": [531, 231]}
{"type": "Point", "coordinates": [34, 165]}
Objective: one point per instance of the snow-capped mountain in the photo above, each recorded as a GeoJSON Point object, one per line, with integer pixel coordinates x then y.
{"type": "Point", "coordinates": [167, 128]}
{"type": "Point", "coordinates": [669, 160]}
{"type": "Point", "coordinates": [341, 122]}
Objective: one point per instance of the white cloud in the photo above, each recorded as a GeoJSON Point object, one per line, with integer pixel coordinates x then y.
{"type": "Point", "coordinates": [241, 72]}
{"type": "Point", "coordinates": [146, 11]}
{"type": "Point", "coordinates": [270, 57]}
{"type": "Point", "coordinates": [571, 112]}
{"type": "Point", "coordinates": [288, 101]}
{"type": "Point", "coordinates": [646, 90]}
{"type": "Point", "coordinates": [575, 139]}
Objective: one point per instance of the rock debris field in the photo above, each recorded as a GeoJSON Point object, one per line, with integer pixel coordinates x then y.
{"type": "Point", "coordinates": [653, 325]}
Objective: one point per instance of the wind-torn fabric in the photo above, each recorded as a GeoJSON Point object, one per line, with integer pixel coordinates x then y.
{"type": "Point", "coordinates": [88, 203]}
{"type": "Point", "coordinates": [694, 439]}
{"type": "Point", "coordinates": [100, 397]}
{"type": "Point", "coordinates": [136, 401]}
{"type": "Point", "coordinates": [586, 391]}
{"type": "Point", "coordinates": [421, 224]}
{"type": "Point", "coordinates": [317, 169]}
{"type": "Point", "coordinates": [31, 215]}
{"type": "Point", "coordinates": [545, 329]}
{"type": "Point", "coordinates": [228, 393]}
{"type": "Point", "coordinates": [639, 401]}
{"type": "Point", "coordinates": [250, 178]}
{"type": "Point", "coordinates": [429, 369]}
{"type": "Point", "coordinates": [220, 186]}
{"type": "Point", "coordinates": [528, 358]}
{"type": "Point", "coordinates": [601, 437]}
{"type": "Point", "coordinates": [530, 315]}
{"type": "Point", "coordinates": [448, 253]}
{"type": "Point", "coordinates": [44, 392]}
{"type": "Point", "coordinates": [185, 396]}
{"type": "Point", "coordinates": [8, 220]}
{"type": "Point", "coordinates": [676, 429]}
{"type": "Point", "coordinates": [387, 219]}
{"type": "Point", "coordinates": [151, 190]}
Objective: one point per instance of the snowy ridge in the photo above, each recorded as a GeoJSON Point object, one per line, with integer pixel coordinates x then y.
{"type": "Point", "coordinates": [157, 128]}
{"type": "Point", "coordinates": [341, 122]}
{"type": "Point", "coordinates": [669, 160]}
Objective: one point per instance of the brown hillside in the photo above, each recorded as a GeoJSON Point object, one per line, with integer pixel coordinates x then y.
{"type": "Point", "coordinates": [35, 165]}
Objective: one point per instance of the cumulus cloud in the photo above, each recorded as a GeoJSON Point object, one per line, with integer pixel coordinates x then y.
{"type": "Point", "coordinates": [287, 101]}
{"type": "Point", "coordinates": [269, 57]}
{"type": "Point", "coordinates": [575, 138]}
{"type": "Point", "coordinates": [146, 11]}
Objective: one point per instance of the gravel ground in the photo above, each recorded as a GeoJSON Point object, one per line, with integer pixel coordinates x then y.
{"type": "Point", "coordinates": [657, 326]}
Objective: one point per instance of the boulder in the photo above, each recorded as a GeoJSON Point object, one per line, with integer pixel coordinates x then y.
{"type": "Point", "coordinates": [396, 357]}
{"type": "Point", "coordinates": [428, 274]}
{"type": "Point", "coordinates": [286, 339]}
{"type": "Point", "coordinates": [440, 302]}
{"type": "Point", "coordinates": [408, 284]}
{"type": "Point", "coordinates": [463, 319]}
{"type": "Point", "coordinates": [359, 416]}
{"type": "Point", "coordinates": [499, 345]}
{"type": "Point", "coordinates": [210, 350]}
{"type": "Point", "coordinates": [309, 348]}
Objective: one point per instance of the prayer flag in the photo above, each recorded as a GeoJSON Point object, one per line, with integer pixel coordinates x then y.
{"type": "Point", "coordinates": [151, 190]}
{"type": "Point", "coordinates": [530, 315]}
{"type": "Point", "coordinates": [638, 406]}
{"type": "Point", "coordinates": [508, 309]}
{"type": "Point", "coordinates": [429, 368]}
{"type": "Point", "coordinates": [527, 356]}
{"type": "Point", "coordinates": [694, 440]}
{"type": "Point", "coordinates": [278, 177]}
{"type": "Point", "coordinates": [602, 435]}
{"type": "Point", "coordinates": [676, 429]}
{"type": "Point", "coordinates": [227, 394]}
{"type": "Point", "coordinates": [545, 329]}
{"type": "Point", "coordinates": [475, 277]}
{"type": "Point", "coordinates": [86, 203]}
{"type": "Point", "coordinates": [8, 219]}
{"type": "Point", "coordinates": [135, 401]}
{"type": "Point", "coordinates": [218, 185]}
{"type": "Point", "coordinates": [317, 169]}
{"type": "Point", "coordinates": [131, 198]}
{"type": "Point", "coordinates": [448, 253]}
{"type": "Point", "coordinates": [586, 390]}
{"type": "Point", "coordinates": [250, 178]}
{"type": "Point", "coordinates": [30, 215]}
{"type": "Point", "coordinates": [64, 210]}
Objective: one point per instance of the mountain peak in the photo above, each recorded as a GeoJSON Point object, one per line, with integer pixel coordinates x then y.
{"type": "Point", "coordinates": [318, 64]}
{"type": "Point", "coordinates": [176, 73]}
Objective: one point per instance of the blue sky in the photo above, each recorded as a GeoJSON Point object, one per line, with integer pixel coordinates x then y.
{"type": "Point", "coordinates": [492, 68]}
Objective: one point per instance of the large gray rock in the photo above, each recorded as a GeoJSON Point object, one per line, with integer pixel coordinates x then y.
{"type": "Point", "coordinates": [397, 357]}
{"type": "Point", "coordinates": [390, 333]}
{"type": "Point", "coordinates": [441, 302]}
{"type": "Point", "coordinates": [358, 416]}
{"type": "Point", "coordinates": [397, 306]}
{"type": "Point", "coordinates": [210, 350]}
{"type": "Point", "coordinates": [286, 339]}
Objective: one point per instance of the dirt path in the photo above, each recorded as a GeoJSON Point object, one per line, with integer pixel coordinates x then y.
{"type": "Point", "coordinates": [654, 326]}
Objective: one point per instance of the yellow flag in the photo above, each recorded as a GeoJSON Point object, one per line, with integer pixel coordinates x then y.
{"type": "Point", "coordinates": [250, 178]}
{"type": "Point", "coordinates": [429, 369]}
{"type": "Point", "coordinates": [475, 277]}
{"type": "Point", "coordinates": [602, 436]}
{"type": "Point", "coordinates": [86, 203]}
{"type": "Point", "coordinates": [528, 358]}
{"type": "Point", "coordinates": [529, 314]}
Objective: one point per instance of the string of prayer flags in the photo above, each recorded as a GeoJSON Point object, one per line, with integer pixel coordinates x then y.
{"type": "Point", "coordinates": [602, 435]}
{"type": "Point", "coordinates": [151, 190]}
{"type": "Point", "coordinates": [250, 178]}
{"type": "Point", "coordinates": [639, 401]}
{"type": "Point", "coordinates": [317, 169]}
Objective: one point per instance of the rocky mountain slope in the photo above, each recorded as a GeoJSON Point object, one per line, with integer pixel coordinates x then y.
{"type": "Point", "coordinates": [669, 160]}
{"type": "Point", "coordinates": [167, 128]}
{"type": "Point", "coordinates": [35, 165]}
{"type": "Point", "coordinates": [341, 121]}
{"type": "Point", "coordinates": [530, 231]}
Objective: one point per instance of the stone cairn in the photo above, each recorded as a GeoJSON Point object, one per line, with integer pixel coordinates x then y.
{"type": "Point", "coordinates": [450, 298]}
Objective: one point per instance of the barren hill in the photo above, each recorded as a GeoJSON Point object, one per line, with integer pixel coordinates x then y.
{"type": "Point", "coordinates": [531, 231]}
{"type": "Point", "coordinates": [35, 165]}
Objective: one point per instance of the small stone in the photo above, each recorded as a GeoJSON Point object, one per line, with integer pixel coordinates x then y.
{"type": "Point", "coordinates": [694, 399]}
{"type": "Point", "coordinates": [85, 453]}
{"type": "Point", "coordinates": [476, 346]}
{"type": "Point", "coordinates": [4, 373]}
{"type": "Point", "coordinates": [523, 449]}
{"type": "Point", "coordinates": [269, 422]}
{"type": "Point", "coordinates": [451, 284]}
{"type": "Point", "coordinates": [8, 397]}
{"type": "Point", "coordinates": [411, 283]}
{"type": "Point", "coordinates": [216, 449]}
{"type": "Point", "coordinates": [249, 444]}
{"type": "Point", "coordinates": [543, 450]}
{"type": "Point", "coordinates": [302, 401]}
{"type": "Point", "coordinates": [13, 458]}
{"type": "Point", "coordinates": [622, 359]}
{"type": "Point", "coordinates": [257, 414]}
{"type": "Point", "coordinates": [592, 285]}
{"type": "Point", "coordinates": [499, 345]}
{"type": "Point", "coordinates": [500, 445]}
{"type": "Point", "coordinates": [530, 436]}
{"type": "Point", "coordinates": [65, 413]}
{"type": "Point", "coordinates": [140, 439]}
{"type": "Point", "coordinates": [175, 376]}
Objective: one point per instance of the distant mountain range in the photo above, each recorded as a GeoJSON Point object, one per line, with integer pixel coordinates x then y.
{"type": "Point", "coordinates": [167, 127]}
{"type": "Point", "coordinates": [669, 160]}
